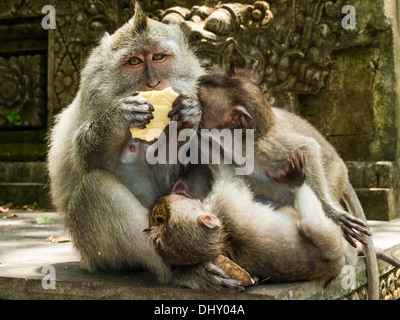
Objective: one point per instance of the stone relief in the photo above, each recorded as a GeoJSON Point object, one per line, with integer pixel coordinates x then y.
{"type": "Point", "coordinates": [22, 91]}
{"type": "Point", "coordinates": [287, 44]}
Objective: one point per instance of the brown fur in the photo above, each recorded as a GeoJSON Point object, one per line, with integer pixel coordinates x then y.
{"type": "Point", "coordinates": [277, 133]}
{"type": "Point", "coordinates": [290, 244]}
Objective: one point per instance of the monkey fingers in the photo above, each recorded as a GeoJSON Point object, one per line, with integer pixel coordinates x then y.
{"type": "Point", "coordinates": [186, 111]}
{"type": "Point", "coordinates": [136, 111]}
{"type": "Point", "coordinates": [223, 279]}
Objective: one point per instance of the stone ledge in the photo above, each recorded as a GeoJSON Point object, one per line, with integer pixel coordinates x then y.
{"type": "Point", "coordinates": [24, 252]}
{"type": "Point", "coordinates": [25, 193]}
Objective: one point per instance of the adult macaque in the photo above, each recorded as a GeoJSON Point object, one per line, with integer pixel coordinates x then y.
{"type": "Point", "coordinates": [234, 100]}
{"type": "Point", "coordinates": [100, 179]}
{"type": "Point", "coordinates": [287, 244]}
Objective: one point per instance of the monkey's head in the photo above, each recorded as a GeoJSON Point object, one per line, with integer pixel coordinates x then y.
{"type": "Point", "coordinates": [233, 99]}
{"type": "Point", "coordinates": [183, 232]}
{"type": "Point", "coordinates": [142, 55]}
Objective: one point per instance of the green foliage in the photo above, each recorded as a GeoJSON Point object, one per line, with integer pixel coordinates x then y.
{"type": "Point", "coordinates": [13, 117]}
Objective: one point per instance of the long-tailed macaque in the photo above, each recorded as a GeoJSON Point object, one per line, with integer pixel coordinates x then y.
{"type": "Point", "coordinates": [104, 194]}
{"type": "Point", "coordinates": [234, 100]}
{"type": "Point", "coordinates": [287, 244]}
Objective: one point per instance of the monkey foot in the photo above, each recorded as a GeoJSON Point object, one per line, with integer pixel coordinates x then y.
{"type": "Point", "coordinates": [294, 173]}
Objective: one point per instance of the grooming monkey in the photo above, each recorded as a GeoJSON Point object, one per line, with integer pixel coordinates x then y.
{"type": "Point", "coordinates": [235, 98]}
{"type": "Point", "coordinates": [100, 179]}
{"type": "Point", "coordinates": [287, 244]}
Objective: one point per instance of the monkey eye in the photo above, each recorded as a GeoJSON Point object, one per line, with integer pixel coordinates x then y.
{"type": "Point", "coordinates": [134, 61]}
{"type": "Point", "coordinates": [158, 56]}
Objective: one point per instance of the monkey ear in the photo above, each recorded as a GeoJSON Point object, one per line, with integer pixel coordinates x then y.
{"type": "Point", "coordinates": [179, 186]}
{"type": "Point", "coordinates": [209, 221]}
{"type": "Point", "coordinates": [237, 118]}
{"type": "Point", "coordinates": [139, 20]}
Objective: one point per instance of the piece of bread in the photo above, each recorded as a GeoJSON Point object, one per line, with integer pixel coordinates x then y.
{"type": "Point", "coordinates": [162, 103]}
{"type": "Point", "coordinates": [233, 270]}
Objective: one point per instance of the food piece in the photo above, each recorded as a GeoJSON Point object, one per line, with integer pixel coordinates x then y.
{"type": "Point", "coordinates": [233, 270]}
{"type": "Point", "coordinates": [58, 239]}
{"type": "Point", "coordinates": [162, 103]}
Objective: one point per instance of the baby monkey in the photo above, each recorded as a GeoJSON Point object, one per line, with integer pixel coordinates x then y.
{"type": "Point", "coordinates": [292, 243]}
{"type": "Point", "coordinates": [233, 100]}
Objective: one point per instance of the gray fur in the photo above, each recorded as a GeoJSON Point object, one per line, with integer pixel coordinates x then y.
{"type": "Point", "coordinates": [105, 202]}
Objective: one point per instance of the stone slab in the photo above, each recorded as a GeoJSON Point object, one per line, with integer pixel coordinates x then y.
{"type": "Point", "coordinates": [24, 252]}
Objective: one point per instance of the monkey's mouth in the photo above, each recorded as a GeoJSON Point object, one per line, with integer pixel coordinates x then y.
{"type": "Point", "coordinates": [154, 236]}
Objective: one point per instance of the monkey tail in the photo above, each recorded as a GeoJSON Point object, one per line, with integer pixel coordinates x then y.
{"type": "Point", "coordinates": [383, 255]}
{"type": "Point", "coordinates": [354, 206]}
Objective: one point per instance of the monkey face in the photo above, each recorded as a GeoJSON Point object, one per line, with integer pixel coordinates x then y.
{"type": "Point", "coordinates": [182, 232]}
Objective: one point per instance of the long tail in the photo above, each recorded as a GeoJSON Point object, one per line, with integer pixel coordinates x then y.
{"type": "Point", "coordinates": [383, 255]}
{"type": "Point", "coordinates": [355, 208]}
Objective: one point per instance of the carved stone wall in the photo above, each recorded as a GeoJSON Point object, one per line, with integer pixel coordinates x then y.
{"type": "Point", "coordinates": [345, 82]}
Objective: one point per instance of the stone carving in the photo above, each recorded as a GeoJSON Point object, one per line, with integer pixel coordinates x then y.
{"type": "Point", "coordinates": [79, 26]}
{"type": "Point", "coordinates": [22, 91]}
{"type": "Point", "coordinates": [287, 44]}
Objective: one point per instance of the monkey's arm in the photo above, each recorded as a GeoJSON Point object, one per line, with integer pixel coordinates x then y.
{"type": "Point", "coordinates": [102, 137]}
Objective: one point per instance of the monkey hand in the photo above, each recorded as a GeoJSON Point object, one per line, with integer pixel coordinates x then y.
{"type": "Point", "coordinates": [136, 111]}
{"type": "Point", "coordinates": [294, 173]}
{"type": "Point", "coordinates": [205, 276]}
{"type": "Point", "coordinates": [186, 111]}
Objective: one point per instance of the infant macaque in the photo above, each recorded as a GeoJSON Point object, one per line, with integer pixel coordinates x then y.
{"type": "Point", "coordinates": [286, 244]}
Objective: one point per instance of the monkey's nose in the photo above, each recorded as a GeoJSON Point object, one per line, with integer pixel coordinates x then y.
{"type": "Point", "coordinates": [153, 85]}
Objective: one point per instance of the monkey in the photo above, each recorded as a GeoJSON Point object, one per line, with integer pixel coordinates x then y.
{"type": "Point", "coordinates": [100, 180]}
{"type": "Point", "coordinates": [233, 99]}
{"type": "Point", "coordinates": [288, 244]}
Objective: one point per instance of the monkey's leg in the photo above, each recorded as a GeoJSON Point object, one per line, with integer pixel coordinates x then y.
{"type": "Point", "coordinates": [316, 179]}
{"type": "Point", "coordinates": [106, 222]}
{"type": "Point", "coordinates": [321, 230]}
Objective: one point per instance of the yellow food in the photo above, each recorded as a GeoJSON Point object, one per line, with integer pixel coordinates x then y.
{"type": "Point", "coordinates": [233, 270]}
{"type": "Point", "coordinates": [162, 103]}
